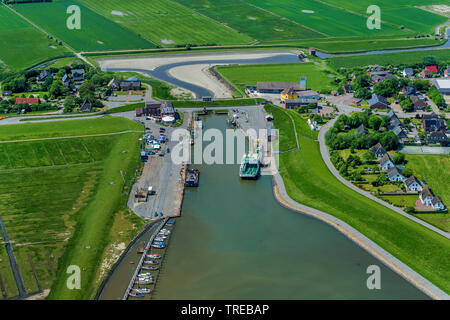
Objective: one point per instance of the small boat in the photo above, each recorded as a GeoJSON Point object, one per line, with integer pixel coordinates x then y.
{"type": "Point", "coordinates": [145, 290]}
{"type": "Point", "coordinates": [131, 262]}
{"type": "Point", "coordinates": [160, 239]}
{"type": "Point", "coordinates": [153, 267]}
{"type": "Point", "coordinates": [146, 268]}
{"type": "Point", "coordinates": [136, 294]}
{"type": "Point", "coordinates": [143, 275]}
{"type": "Point", "coordinates": [140, 250]}
{"type": "Point", "coordinates": [144, 282]}
{"type": "Point", "coordinates": [158, 246]}
{"type": "Point", "coordinates": [151, 262]}
{"type": "Point", "coordinates": [154, 256]}
{"type": "Point", "coordinates": [170, 222]}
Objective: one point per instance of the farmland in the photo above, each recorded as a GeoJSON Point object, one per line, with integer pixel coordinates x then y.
{"type": "Point", "coordinates": [60, 197]}
{"type": "Point", "coordinates": [240, 76]}
{"type": "Point", "coordinates": [419, 248]}
{"type": "Point", "coordinates": [396, 58]}
{"type": "Point", "coordinates": [21, 45]}
{"type": "Point", "coordinates": [96, 33]}
{"type": "Point", "coordinates": [166, 23]}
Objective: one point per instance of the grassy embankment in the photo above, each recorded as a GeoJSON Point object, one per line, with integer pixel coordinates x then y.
{"type": "Point", "coordinates": [309, 182]}
{"type": "Point", "coordinates": [75, 209]}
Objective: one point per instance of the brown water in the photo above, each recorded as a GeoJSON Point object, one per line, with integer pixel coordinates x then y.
{"type": "Point", "coordinates": [234, 241]}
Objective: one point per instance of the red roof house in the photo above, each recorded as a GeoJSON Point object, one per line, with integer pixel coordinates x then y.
{"type": "Point", "coordinates": [27, 100]}
{"type": "Point", "coordinates": [432, 69]}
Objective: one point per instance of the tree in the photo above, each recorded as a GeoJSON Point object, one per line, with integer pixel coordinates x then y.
{"type": "Point", "coordinates": [399, 158]}
{"type": "Point", "coordinates": [429, 60]}
{"type": "Point", "coordinates": [387, 88]}
{"type": "Point", "coordinates": [362, 93]}
{"type": "Point", "coordinates": [407, 105]}
{"type": "Point", "coordinates": [69, 104]}
{"type": "Point", "coordinates": [56, 90]}
{"type": "Point", "coordinates": [375, 122]}
{"type": "Point", "coordinates": [407, 172]}
{"type": "Point", "coordinates": [362, 81]}
{"type": "Point", "coordinates": [368, 156]}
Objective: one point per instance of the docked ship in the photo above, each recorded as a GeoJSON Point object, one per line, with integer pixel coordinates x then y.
{"type": "Point", "coordinates": [251, 163]}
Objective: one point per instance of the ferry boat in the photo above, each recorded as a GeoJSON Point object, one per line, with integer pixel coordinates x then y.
{"type": "Point", "coordinates": [251, 163]}
{"type": "Point", "coordinates": [192, 178]}
{"type": "Point", "coordinates": [136, 293]}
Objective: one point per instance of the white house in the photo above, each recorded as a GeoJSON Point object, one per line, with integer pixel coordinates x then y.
{"type": "Point", "coordinates": [437, 204]}
{"type": "Point", "coordinates": [379, 151]}
{"type": "Point", "coordinates": [413, 184]}
{"type": "Point", "coordinates": [426, 197]}
{"type": "Point", "coordinates": [394, 174]}
{"type": "Point", "coordinates": [386, 163]}
{"type": "Point", "coordinates": [408, 72]}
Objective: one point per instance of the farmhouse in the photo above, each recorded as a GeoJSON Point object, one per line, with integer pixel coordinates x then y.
{"type": "Point", "coordinates": [380, 76]}
{"type": "Point", "coordinates": [394, 174]}
{"type": "Point", "coordinates": [66, 81]}
{"type": "Point", "coordinates": [418, 103]}
{"type": "Point", "coordinates": [78, 75]}
{"type": "Point", "coordinates": [27, 100]}
{"type": "Point", "coordinates": [408, 72]}
{"type": "Point", "coordinates": [378, 102]}
{"type": "Point", "coordinates": [312, 51]}
{"type": "Point", "coordinates": [378, 150]}
{"type": "Point", "coordinates": [426, 196]}
{"type": "Point", "coordinates": [438, 137]}
{"type": "Point", "coordinates": [43, 75]}
{"type": "Point", "coordinates": [437, 204]}
{"type": "Point", "coordinates": [130, 84]}
{"type": "Point", "coordinates": [386, 163]}
{"type": "Point", "coordinates": [156, 109]}
{"type": "Point", "coordinates": [114, 84]}
{"type": "Point", "coordinates": [432, 123]}
{"type": "Point", "coordinates": [428, 71]}
{"type": "Point", "coordinates": [348, 88]}
{"type": "Point", "coordinates": [413, 184]}
{"type": "Point", "coordinates": [409, 90]}
{"type": "Point", "coordinates": [362, 130]}
{"type": "Point", "coordinates": [86, 106]}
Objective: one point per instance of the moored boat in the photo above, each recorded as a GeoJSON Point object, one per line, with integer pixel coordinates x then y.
{"type": "Point", "coordinates": [151, 262]}
{"type": "Point", "coordinates": [136, 293]}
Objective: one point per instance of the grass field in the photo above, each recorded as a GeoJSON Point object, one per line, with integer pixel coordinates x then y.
{"type": "Point", "coordinates": [240, 76]}
{"type": "Point", "coordinates": [21, 45]}
{"type": "Point", "coordinates": [435, 170]}
{"type": "Point", "coordinates": [388, 58]}
{"type": "Point", "coordinates": [66, 128]}
{"type": "Point", "coordinates": [59, 199]}
{"type": "Point", "coordinates": [96, 33]}
{"type": "Point", "coordinates": [309, 182]}
{"type": "Point", "coordinates": [166, 22]}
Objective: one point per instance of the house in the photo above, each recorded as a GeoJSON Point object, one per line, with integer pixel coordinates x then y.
{"type": "Point", "coordinates": [77, 75]}
{"type": "Point", "coordinates": [28, 100]}
{"type": "Point", "coordinates": [7, 93]}
{"type": "Point", "coordinates": [378, 150]}
{"type": "Point", "coordinates": [348, 88]}
{"type": "Point", "coordinates": [131, 84]}
{"type": "Point", "coordinates": [394, 174]}
{"type": "Point", "coordinates": [43, 75]}
{"type": "Point", "coordinates": [66, 81]}
{"type": "Point", "coordinates": [156, 109]}
{"type": "Point", "coordinates": [413, 184]}
{"type": "Point", "coordinates": [86, 106]}
{"type": "Point", "coordinates": [408, 72]}
{"type": "Point", "coordinates": [362, 130]}
{"type": "Point", "coordinates": [288, 94]}
{"type": "Point", "coordinates": [418, 103]}
{"type": "Point", "coordinates": [401, 133]}
{"type": "Point", "coordinates": [428, 71]}
{"type": "Point", "coordinates": [386, 163]}
{"type": "Point", "coordinates": [446, 73]}
{"type": "Point", "coordinates": [114, 84]}
{"type": "Point", "coordinates": [312, 51]}
{"type": "Point", "coordinates": [167, 109]}
{"type": "Point", "coordinates": [437, 204]}
{"type": "Point", "coordinates": [409, 90]}
{"type": "Point", "coordinates": [426, 196]}
{"type": "Point", "coordinates": [380, 76]}
{"type": "Point", "coordinates": [378, 102]}
{"type": "Point", "coordinates": [433, 123]}
{"type": "Point", "coordinates": [438, 137]}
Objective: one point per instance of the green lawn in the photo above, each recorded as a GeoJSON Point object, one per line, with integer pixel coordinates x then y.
{"type": "Point", "coordinates": [66, 128]}
{"type": "Point", "coordinates": [309, 182]}
{"type": "Point", "coordinates": [240, 76]}
{"type": "Point", "coordinates": [166, 22]}
{"type": "Point", "coordinates": [435, 170]}
{"type": "Point", "coordinates": [21, 45]}
{"type": "Point", "coordinates": [96, 34]}
{"type": "Point", "coordinates": [397, 58]}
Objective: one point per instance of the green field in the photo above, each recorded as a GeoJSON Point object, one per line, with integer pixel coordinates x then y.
{"type": "Point", "coordinates": [309, 182]}
{"type": "Point", "coordinates": [166, 22]}
{"type": "Point", "coordinates": [66, 128]}
{"type": "Point", "coordinates": [21, 45]}
{"type": "Point", "coordinates": [396, 58]}
{"type": "Point", "coordinates": [435, 170]}
{"type": "Point", "coordinates": [241, 76]}
{"type": "Point", "coordinates": [96, 34]}
{"type": "Point", "coordinates": [60, 199]}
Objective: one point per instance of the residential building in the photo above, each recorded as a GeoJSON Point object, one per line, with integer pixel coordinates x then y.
{"type": "Point", "coordinates": [438, 137]}
{"type": "Point", "coordinates": [276, 87]}
{"type": "Point", "coordinates": [131, 84]}
{"type": "Point", "coordinates": [78, 75]}
{"type": "Point", "coordinates": [426, 196]}
{"type": "Point", "coordinates": [312, 51]}
{"type": "Point", "coordinates": [293, 103]}
{"type": "Point", "coordinates": [386, 163]}
{"type": "Point", "coordinates": [27, 100]}
{"type": "Point", "coordinates": [361, 130]}
{"type": "Point", "coordinates": [156, 109]}
{"type": "Point", "coordinates": [428, 71]}
{"type": "Point", "coordinates": [348, 88]}
{"type": "Point", "coordinates": [409, 90]}
{"type": "Point", "coordinates": [412, 184]}
{"type": "Point", "coordinates": [433, 123]}
{"type": "Point", "coordinates": [378, 150]}
{"type": "Point", "coordinates": [418, 103]}
{"type": "Point", "coordinates": [408, 72]}
{"type": "Point", "coordinates": [114, 84]}
{"type": "Point", "coordinates": [66, 81]}
{"type": "Point", "coordinates": [43, 75]}
{"type": "Point", "coordinates": [288, 94]}
{"type": "Point", "coordinates": [443, 86]}
{"type": "Point", "coordinates": [378, 102]}
{"type": "Point", "coordinates": [437, 204]}
{"type": "Point", "coordinates": [86, 106]}
{"type": "Point", "coordinates": [394, 175]}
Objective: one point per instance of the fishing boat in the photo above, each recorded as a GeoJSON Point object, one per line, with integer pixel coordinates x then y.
{"type": "Point", "coordinates": [153, 267]}
{"type": "Point", "coordinates": [144, 275]}
{"type": "Point", "coordinates": [160, 239]}
{"type": "Point", "coordinates": [151, 262]}
{"type": "Point", "coordinates": [145, 290]}
{"type": "Point", "coordinates": [158, 246]}
{"type": "Point", "coordinates": [144, 282]}
{"type": "Point", "coordinates": [154, 256]}
{"type": "Point", "coordinates": [136, 294]}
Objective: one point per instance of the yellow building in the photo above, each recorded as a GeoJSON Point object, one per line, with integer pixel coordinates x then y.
{"type": "Point", "coordinates": [289, 94]}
